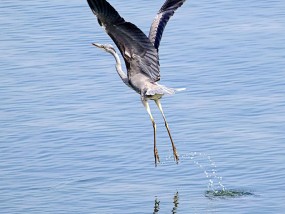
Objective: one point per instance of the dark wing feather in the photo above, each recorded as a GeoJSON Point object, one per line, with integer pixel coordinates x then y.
{"type": "Point", "coordinates": [161, 19]}
{"type": "Point", "coordinates": [133, 44]}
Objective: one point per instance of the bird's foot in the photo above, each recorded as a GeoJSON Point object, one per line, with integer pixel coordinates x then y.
{"type": "Point", "coordinates": [156, 157]}
{"type": "Point", "coordinates": [175, 155]}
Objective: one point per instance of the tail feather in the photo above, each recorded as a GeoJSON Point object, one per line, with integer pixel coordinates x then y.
{"type": "Point", "coordinates": [163, 90]}
{"type": "Point", "coordinates": [180, 89]}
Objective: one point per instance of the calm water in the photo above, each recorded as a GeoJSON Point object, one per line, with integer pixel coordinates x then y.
{"type": "Point", "coordinates": [74, 139]}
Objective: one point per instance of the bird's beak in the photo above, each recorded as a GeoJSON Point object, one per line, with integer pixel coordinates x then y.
{"type": "Point", "coordinates": [97, 45]}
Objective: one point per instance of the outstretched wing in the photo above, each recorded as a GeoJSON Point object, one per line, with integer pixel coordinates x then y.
{"type": "Point", "coordinates": [133, 44]}
{"type": "Point", "coordinates": [161, 19]}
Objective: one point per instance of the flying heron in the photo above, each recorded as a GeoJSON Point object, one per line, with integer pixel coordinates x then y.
{"type": "Point", "coordinates": [140, 54]}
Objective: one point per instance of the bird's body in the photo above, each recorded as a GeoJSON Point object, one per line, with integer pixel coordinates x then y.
{"type": "Point", "coordinates": [140, 54]}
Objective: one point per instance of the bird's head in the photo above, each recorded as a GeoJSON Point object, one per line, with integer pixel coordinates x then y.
{"type": "Point", "coordinates": [107, 47]}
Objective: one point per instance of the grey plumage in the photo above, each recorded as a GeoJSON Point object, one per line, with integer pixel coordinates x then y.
{"type": "Point", "coordinates": [166, 11]}
{"type": "Point", "coordinates": [133, 44]}
{"type": "Point", "coordinates": [140, 54]}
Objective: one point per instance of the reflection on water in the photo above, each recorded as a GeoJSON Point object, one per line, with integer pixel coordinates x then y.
{"type": "Point", "coordinates": [175, 204]}
{"type": "Point", "coordinates": [156, 206]}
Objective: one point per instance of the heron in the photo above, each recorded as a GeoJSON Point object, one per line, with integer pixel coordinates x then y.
{"type": "Point", "coordinates": [140, 54]}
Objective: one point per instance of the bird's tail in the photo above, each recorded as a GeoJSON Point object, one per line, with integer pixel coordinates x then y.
{"type": "Point", "coordinates": [170, 91]}
{"type": "Point", "coordinates": [179, 89]}
{"type": "Point", "coordinates": [163, 90]}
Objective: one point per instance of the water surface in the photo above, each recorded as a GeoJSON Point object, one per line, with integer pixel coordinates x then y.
{"type": "Point", "coordinates": [74, 139]}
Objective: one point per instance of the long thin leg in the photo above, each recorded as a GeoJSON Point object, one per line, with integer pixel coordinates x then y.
{"type": "Point", "coordinates": [176, 158]}
{"type": "Point", "coordinates": [156, 157]}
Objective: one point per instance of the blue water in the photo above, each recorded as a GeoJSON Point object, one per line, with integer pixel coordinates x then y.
{"type": "Point", "coordinates": [75, 139]}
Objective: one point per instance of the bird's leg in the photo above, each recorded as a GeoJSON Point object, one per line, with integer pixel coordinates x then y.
{"type": "Point", "coordinates": [175, 154]}
{"type": "Point", "coordinates": [156, 157]}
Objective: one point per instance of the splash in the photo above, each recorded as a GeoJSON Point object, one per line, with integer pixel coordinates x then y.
{"type": "Point", "coordinates": [215, 188]}
{"type": "Point", "coordinates": [209, 168]}
{"type": "Point", "coordinates": [229, 193]}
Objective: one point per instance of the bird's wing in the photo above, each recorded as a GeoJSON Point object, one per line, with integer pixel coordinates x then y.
{"type": "Point", "coordinates": [133, 44]}
{"type": "Point", "coordinates": [161, 19]}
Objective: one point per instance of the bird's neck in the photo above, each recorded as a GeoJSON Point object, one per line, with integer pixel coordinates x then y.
{"type": "Point", "coordinates": [119, 69]}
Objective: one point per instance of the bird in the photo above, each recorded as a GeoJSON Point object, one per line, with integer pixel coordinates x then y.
{"type": "Point", "coordinates": [140, 54]}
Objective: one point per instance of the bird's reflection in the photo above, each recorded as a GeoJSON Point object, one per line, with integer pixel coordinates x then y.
{"type": "Point", "coordinates": [175, 206]}
{"type": "Point", "coordinates": [156, 206]}
{"type": "Point", "coordinates": [175, 202]}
